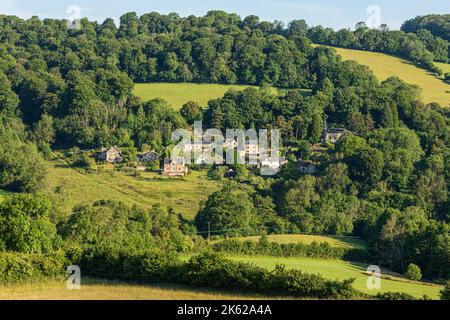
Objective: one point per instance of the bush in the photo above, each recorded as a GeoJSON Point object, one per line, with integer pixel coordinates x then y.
{"type": "Point", "coordinates": [25, 225]}
{"type": "Point", "coordinates": [83, 161]}
{"type": "Point", "coordinates": [413, 272]}
{"type": "Point", "coordinates": [16, 267]}
{"type": "Point", "coordinates": [445, 293]}
{"type": "Point", "coordinates": [394, 296]}
{"type": "Point", "coordinates": [212, 270]}
{"type": "Point", "coordinates": [149, 266]}
{"type": "Point", "coordinates": [447, 77]}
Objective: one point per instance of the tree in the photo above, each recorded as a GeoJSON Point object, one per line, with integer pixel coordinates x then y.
{"type": "Point", "coordinates": [44, 134]}
{"type": "Point", "coordinates": [21, 166]}
{"type": "Point", "coordinates": [25, 225]}
{"type": "Point", "coordinates": [113, 225]}
{"type": "Point", "coordinates": [316, 128]}
{"type": "Point", "coordinates": [8, 99]}
{"type": "Point", "coordinates": [445, 293]}
{"type": "Point", "coordinates": [298, 28]}
{"type": "Point", "coordinates": [350, 145]}
{"type": "Point", "coordinates": [413, 272]}
{"type": "Point", "coordinates": [229, 211]}
{"type": "Point", "coordinates": [366, 166]}
{"type": "Point", "coordinates": [192, 111]}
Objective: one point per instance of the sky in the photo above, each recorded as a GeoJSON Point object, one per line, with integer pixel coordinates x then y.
{"type": "Point", "coordinates": [336, 14]}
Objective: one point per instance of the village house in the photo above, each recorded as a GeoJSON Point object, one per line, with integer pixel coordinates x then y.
{"type": "Point", "coordinates": [147, 157]}
{"type": "Point", "coordinates": [333, 135]}
{"type": "Point", "coordinates": [111, 154]}
{"type": "Point", "coordinates": [307, 167]}
{"type": "Point", "coordinates": [174, 167]}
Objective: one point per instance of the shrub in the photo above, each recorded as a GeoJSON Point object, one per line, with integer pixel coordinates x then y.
{"type": "Point", "coordinates": [16, 267]}
{"type": "Point", "coordinates": [212, 270]}
{"type": "Point", "coordinates": [413, 272]}
{"type": "Point", "coordinates": [394, 296]}
{"type": "Point", "coordinates": [25, 225]}
{"type": "Point", "coordinates": [149, 266]}
{"type": "Point", "coordinates": [447, 77]}
{"type": "Point", "coordinates": [445, 293]}
{"type": "Point", "coordinates": [83, 161]}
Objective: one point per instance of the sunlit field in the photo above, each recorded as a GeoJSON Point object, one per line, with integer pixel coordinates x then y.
{"type": "Point", "coordinates": [384, 66]}
{"type": "Point", "coordinates": [69, 187]}
{"type": "Point", "coordinates": [177, 94]}
{"type": "Point", "coordinates": [335, 269]}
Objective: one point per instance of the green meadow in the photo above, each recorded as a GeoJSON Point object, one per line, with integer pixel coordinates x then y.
{"type": "Point", "coordinates": [336, 269]}
{"type": "Point", "coordinates": [69, 187]}
{"type": "Point", "coordinates": [434, 89]}
{"type": "Point", "coordinates": [177, 94]}
{"type": "Point", "coordinates": [445, 67]}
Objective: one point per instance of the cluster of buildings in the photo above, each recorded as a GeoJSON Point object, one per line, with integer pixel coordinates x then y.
{"type": "Point", "coordinates": [178, 167]}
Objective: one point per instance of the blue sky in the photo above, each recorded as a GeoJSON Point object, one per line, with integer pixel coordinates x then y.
{"type": "Point", "coordinates": [336, 14]}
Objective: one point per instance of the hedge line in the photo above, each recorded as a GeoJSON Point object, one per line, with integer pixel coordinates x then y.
{"type": "Point", "coordinates": [314, 250]}
{"type": "Point", "coordinates": [211, 270]}
{"type": "Point", "coordinates": [15, 267]}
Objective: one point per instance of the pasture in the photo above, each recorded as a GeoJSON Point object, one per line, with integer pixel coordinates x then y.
{"type": "Point", "coordinates": [177, 94]}
{"type": "Point", "coordinates": [384, 66]}
{"type": "Point", "coordinates": [445, 67]}
{"type": "Point", "coordinates": [336, 269]}
{"type": "Point", "coordinates": [69, 187]}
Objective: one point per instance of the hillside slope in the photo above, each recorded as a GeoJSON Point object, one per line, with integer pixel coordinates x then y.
{"type": "Point", "coordinates": [69, 187]}
{"type": "Point", "coordinates": [384, 66]}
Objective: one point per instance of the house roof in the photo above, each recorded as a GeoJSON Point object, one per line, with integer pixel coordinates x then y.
{"type": "Point", "coordinates": [174, 161]}
{"type": "Point", "coordinates": [109, 149]}
{"type": "Point", "coordinates": [305, 164]}
{"type": "Point", "coordinates": [336, 130]}
{"type": "Point", "coordinates": [147, 153]}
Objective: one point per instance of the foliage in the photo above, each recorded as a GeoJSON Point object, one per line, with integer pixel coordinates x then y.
{"type": "Point", "coordinates": [314, 250]}
{"type": "Point", "coordinates": [18, 267]}
{"type": "Point", "coordinates": [25, 225]}
{"type": "Point", "coordinates": [394, 296]}
{"type": "Point", "coordinates": [229, 211]}
{"type": "Point", "coordinates": [445, 293]}
{"type": "Point", "coordinates": [413, 272]}
{"type": "Point", "coordinates": [109, 224]}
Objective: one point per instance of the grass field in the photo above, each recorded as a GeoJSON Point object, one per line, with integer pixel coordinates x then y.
{"type": "Point", "coordinates": [384, 66]}
{"type": "Point", "coordinates": [177, 94]}
{"type": "Point", "coordinates": [110, 290]}
{"type": "Point", "coordinates": [69, 187]}
{"type": "Point", "coordinates": [334, 269]}
{"type": "Point", "coordinates": [343, 242]}
{"type": "Point", "coordinates": [3, 194]}
{"type": "Point", "coordinates": [445, 67]}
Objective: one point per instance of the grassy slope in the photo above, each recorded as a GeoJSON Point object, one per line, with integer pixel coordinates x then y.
{"type": "Point", "coordinates": [70, 187]}
{"type": "Point", "coordinates": [384, 66]}
{"type": "Point", "coordinates": [445, 67]}
{"type": "Point", "coordinates": [3, 194]}
{"type": "Point", "coordinates": [110, 290]}
{"type": "Point", "coordinates": [177, 94]}
{"type": "Point", "coordinates": [334, 269]}
{"type": "Point", "coordinates": [346, 242]}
